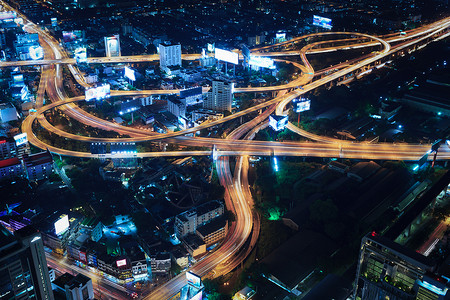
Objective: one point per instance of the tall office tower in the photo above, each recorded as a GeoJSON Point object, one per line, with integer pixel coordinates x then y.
{"type": "Point", "coordinates": [23, 267]}
{"type": "Point", "coordinates": [387, 270]}
{"type": "Point", "coordinates": [169, 55]}
{"type": "Point", "coordinates": [220, 96]}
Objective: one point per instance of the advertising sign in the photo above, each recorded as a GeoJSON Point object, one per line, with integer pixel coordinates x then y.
{"type": "Point", "coordinates": [193, 279]}
{"type": "Point", "coordinates": [198, 296]}
{"type": "Point", "coordinates": [226, 56]}
{"type": "Point", "coordinates": [36, 52]}
{"type": "Point", "coordinates": [322, 22]}
{"type": "Point", "coordinates": [81, 54]}
{"type": "Point", "coordinates": [129, 73]}
{"type": "Point", "coordinates": [278, 123]}
{"type": "Point", "coordinates": [98, 93]}
{"type": "Point", "coordinates": [211, 47]}
{"type": "Point", "coordinates": [21, 139]}
{"type": "Point", "coordinates": [54, 22]}
{"type": "Point", "coordinates": [70, 36]}
{"type": "Point", "coordinates": [122, 262]}
{"type": "Point", "coordinates": [303, 105]}
{"type": "Point", "coordinates": [263, 62]}
{"type": "Point", "coordinates": [280, 36]}
{"type": "Point", "coordinates": [62, 224]}
{"type": "Point", "coordinates": [17, 78]}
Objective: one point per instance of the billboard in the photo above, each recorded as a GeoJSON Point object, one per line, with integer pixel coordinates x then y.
{"type": "Point", "coordinates": [129, 73]}
{"type": "Point", "coordinates": [5, 15]}
{"type": "Point", "coordinates": [98, 93]}
{"type": "Point", "coordinates": [121, 263]}
{"type": "Point", "coordinates": [278, 123]}
{"type": "Point", "coordinates": [193, 279]}
{"type": "Point", "coordinates": [226, 56]}
{"type": "Point", "coordinates": [303, 105]}
{"type": "Point", "coordinates": [17, 78]}
{"type": "Point", "coordinates": [263, 62]}
{"type": "Point", "coordinates": [62, 224]}
{"type": "Point", "coordinates": [198, 296]}
{"type": "Point", "coordinates": [112, 46]}
{"type": "Point", "coordinates": [21, 139]}
{"type": "Point", "coordinates": [280, 36]}
{"type": "Point", "coordinates": [54, 22]}
{"type": "Point", "coordinates": [245, 52]}
{"type": "Point", "coordinates": [322, 22]}
{"type": "Point", "coordinates": [70, 36]}
{"type": "Point", "coordinates": [211, 47]}
{"type": "Point", "coordinates": [36, 52]}
{"type": "Point", "coordinates": [80, 54]}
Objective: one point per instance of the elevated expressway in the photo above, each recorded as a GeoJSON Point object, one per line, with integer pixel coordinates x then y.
{"type": "Point", "coordinates": [228, 147]}
{"type": "Point", "coordinates": [283, 100]}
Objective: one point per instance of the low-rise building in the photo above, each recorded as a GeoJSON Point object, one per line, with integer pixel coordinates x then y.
{"type": "Point", "coordinates": [189, 221]}
{"type": "Point", "coordinates": [7, 112]}
{"type": "Point", "coordinates": [7, 147]}
{"type": "Point", "coordinates": [194, 245]}
{"type": "Point", "coordinates": [77, 287]}
{"type": "Point", "coordinates": [38, 166]}
{"type": "Point", "coordinates": [176, 107]}
{"type": "Point", "coordinates": [10, 168]}
{"type": "Point", "coordinates": [363, 170]}
{"type": "Point", "coordinates": [338, 167]}
{"type": "Point", "coordinates": [93, 227]}
{"type": "Point", "coordinates": [161, 263]}
{"type": "Point", "coordinates": [213, 231]}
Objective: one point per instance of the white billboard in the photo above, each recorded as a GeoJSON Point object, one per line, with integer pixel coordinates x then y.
{"type": "Point", "coordinates": [81, 54]}
{"type": "Point", "coordinates": [129, 73]}
{"type": "Point", "coordinates": [21, 139]}
{"type": "Point", "coordinates": [193, 279]}
{"type": "Point", "coordinates": [322, 22]}
{"type": "Point", "coordinates": [98, 93]}
{"type": "Point", "coordinates": [278, 123]}
{"type": "Point", "coordinates": [198, 296]}
{"type": "Point", "coordinates": [280, 36]}
{"type": "Point", "coordinates": [62, 224]}
{"type": "Point", "coordinates": [112, 46]}
{"type": "Point", "coordinates": [211, 47]}
{"type": "Point", "coordinates": [303, 105]}
{"type": "Point", "coordinates": [263, 62]}
{"type": "Point", "coordinates": [36, 52]}
{"type": "Point", "coordinates": [227, 56]}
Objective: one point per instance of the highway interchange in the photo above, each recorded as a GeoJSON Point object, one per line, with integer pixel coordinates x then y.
{"type": "Point", "coordinates": [238, 197]}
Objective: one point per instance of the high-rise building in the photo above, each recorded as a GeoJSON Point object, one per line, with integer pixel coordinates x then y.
{"type": "Point", "coordinates": [169, 55]}
{"type": "Point", "coordinates": [23, 267]}
{"type": "Point", "coordinates": [220, 96]}
{"type": "Point", "coordinates": [387, 270]}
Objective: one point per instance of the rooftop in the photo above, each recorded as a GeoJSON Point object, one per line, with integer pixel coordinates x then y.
{"type": "Point", "coordinates": [37, 159]}
{"type": "Point", "coordinates": [213, 226]}
{"type": "Point", "coordinates": [9, 162]}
